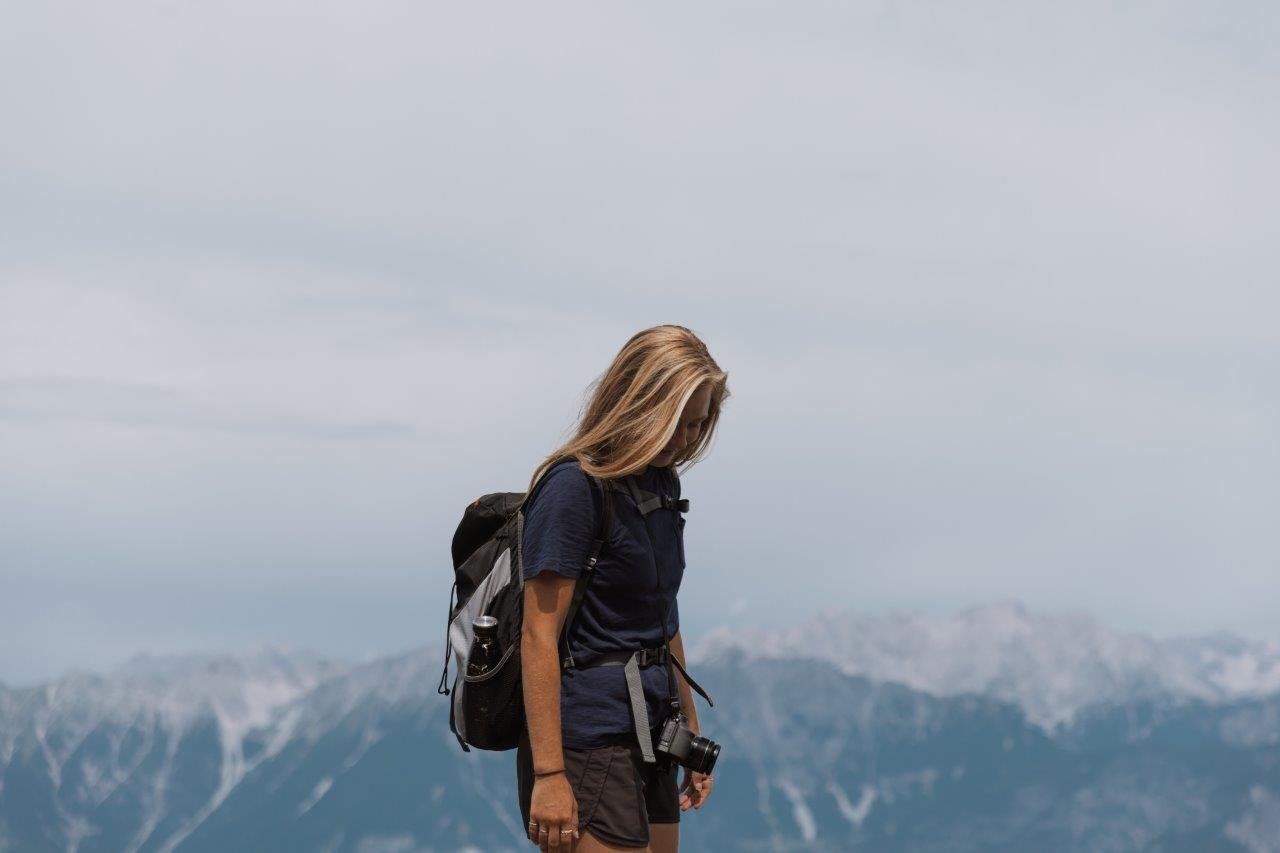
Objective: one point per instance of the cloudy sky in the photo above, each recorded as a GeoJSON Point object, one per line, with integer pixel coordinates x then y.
{"type": "Point", "coordinates": [284, 285]}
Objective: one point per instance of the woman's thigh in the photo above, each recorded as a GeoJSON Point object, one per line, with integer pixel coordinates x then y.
{"type": "Point", "coordinates": [590, 844]}
{"type": "Point", "coordinates": [663, 838]}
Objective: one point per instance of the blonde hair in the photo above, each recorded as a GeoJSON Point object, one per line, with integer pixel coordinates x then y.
{"type": "Point", "coordinates": [633, 408]}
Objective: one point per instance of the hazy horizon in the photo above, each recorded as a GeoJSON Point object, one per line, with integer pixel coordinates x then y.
{"type": "Point", "coordinates": [692, 642]}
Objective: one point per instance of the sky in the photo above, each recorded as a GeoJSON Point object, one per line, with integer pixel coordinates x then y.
{"type": "Point", "coordinates": [284, 286]}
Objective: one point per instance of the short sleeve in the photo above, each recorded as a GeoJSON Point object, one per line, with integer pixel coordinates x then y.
{"type": "Point", "coordinates": [560, 523]}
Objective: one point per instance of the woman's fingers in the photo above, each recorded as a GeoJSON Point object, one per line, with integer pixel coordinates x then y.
{"type": "Point", "coordinates": [542, 836]}
{"type": "Point", "coordinates": [568, 838]}
{"type": "Point", "coordinates": [704, 790]}
{"type": "Point", "coordinates": [694, 790]}
{"type": "Point", "coordinates": [556, 837]}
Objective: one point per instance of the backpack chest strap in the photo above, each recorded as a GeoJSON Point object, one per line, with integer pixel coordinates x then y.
{"type": "Point", "coordinates": [646, 501]}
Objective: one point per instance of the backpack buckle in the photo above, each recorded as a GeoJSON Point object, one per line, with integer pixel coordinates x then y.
{"type": "Point", "coordinates": [681, 505]}
{"type": "Point", "coordinates": [649, 657]}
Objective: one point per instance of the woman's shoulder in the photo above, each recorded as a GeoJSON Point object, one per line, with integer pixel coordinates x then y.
{"type": "Point", "coordinates": [562, 466]}
{"type": "Point", "coordinates": [569, 469]}
{"type": "Point", "coordinates": [563, 481]}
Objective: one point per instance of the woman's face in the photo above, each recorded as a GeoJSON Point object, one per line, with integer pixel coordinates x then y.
{"type": "Point", "coordinates": [688, 428]}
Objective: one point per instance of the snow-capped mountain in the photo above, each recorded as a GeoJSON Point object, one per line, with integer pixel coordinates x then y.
{"type": "Point", "coordinates": [1051, 665]}
{"type": "Point", "coordinates": [277, 751]}
{"type": "Point", "coordinates": [100, 738]}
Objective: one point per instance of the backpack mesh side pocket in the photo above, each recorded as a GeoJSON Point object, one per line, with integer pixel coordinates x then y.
{"type": "Point", "coordinates": [491, 705]}
{"type": "Point", "coordinates": [494, 703]}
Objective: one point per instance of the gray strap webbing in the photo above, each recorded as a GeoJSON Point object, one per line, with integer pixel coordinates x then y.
{"type": "Point", "coordinates": [639, 711]}
{"type": "Point", "coordinates": [623, 658]}
{"type": "Point", "coordinates": [520, 545]}
{"type": "Point", "coordinates": [646, 502]}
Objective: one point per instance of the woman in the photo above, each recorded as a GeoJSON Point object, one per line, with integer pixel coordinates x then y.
{"type": "Point", "coordinates": [584, 777]}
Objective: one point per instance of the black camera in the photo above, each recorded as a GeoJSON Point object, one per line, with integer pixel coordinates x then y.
{"type": "Point", "coordinates": [679, 744]}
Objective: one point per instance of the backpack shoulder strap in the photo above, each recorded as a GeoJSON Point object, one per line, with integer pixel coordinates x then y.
{"type": "Point", "coordinates": [602, 538]}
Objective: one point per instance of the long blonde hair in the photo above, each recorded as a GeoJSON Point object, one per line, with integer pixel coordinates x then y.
{"type": "Point", "coordinates": [633, 408]}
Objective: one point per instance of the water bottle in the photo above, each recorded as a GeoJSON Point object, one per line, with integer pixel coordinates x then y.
{"type": "Point", "coordinates": [484, 649]}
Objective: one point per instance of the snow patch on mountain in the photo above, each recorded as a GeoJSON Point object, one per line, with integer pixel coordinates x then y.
{"type": "Point", "coordinates": [800, 810]}
{"type": "Point", "coordinates": [854, 813]}
{"type": "Point", "coordinates": [322, 787]}
{"type": "Point", "coordinates": [161, 698]}
{"type": "Point", "coordinates": [1050, 664]}
{"type": "Point", "coordinates": [1258, 829]}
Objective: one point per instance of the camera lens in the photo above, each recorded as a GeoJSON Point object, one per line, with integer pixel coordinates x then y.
{"type": "Point", "coordinates": [703, 753]}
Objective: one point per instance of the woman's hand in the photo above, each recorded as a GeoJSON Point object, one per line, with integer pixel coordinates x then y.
{"type": "Point", "coordinates": [694, 790]}
{"type": "Point", "coordinates": [553, 808]}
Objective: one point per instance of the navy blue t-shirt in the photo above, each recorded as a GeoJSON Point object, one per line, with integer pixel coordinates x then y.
{"type": "Point", "coordinates": [622, 606]}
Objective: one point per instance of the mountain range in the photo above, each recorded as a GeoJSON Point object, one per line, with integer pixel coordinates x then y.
{"type": "Point", "coordinates": [994, 728]}
{"type": "Point", "coordinates": [1051, 665]}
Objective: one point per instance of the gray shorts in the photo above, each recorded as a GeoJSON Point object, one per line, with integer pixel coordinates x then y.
{"type": "Point", "coordinates": [618, 794]}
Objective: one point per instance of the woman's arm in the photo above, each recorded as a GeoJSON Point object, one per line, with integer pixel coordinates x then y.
{"type": "Point", "coordinates": [553, 809]}
{"type": "Point", "coordinates": [686, 695]}
{"type": "Point", "coordinates": [546, 605]}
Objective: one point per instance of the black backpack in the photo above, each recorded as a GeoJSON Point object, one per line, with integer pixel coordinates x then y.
{"type": "Point", "coordinates": [487, 711]}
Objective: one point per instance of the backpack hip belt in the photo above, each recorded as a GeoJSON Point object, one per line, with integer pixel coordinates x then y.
{"type": "Point", "coordinates": [633, 661]}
